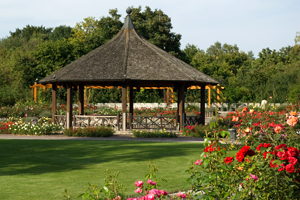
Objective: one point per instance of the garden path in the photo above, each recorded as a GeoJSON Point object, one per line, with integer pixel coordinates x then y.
{"type": "Point", "coordinates": [121, 136]}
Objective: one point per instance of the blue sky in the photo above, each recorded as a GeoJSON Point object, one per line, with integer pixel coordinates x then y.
{"type": "Point", "coordinates": [250, 24]}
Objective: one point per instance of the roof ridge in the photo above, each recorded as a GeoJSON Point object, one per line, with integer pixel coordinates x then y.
{"type": "Point", "coordinates": [146, 43]}
{"type": "Point", "coordinates": [126, 54]}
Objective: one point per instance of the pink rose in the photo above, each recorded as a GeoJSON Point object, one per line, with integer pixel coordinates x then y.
{"type": "Point", "coordinates": [198, 161]}
{"type": "Point", "coordinates": [139, 190]}
{"type": "Point", "coordinates": [150, 197]}
{"type": "Point", "coordinates": [139, 183]}
{"type": "Point", "coordinates": [151, 182]}
{"type": "Point", "coordinates": [253, 177]}
{"type": "Point", "coordinates": [182, 195]}
{"type": "Point", "coordinates": [155, 192]}
{"type": "Point", "coordinates": [163, 192]}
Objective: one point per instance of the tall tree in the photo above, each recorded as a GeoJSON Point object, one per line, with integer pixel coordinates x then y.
{"type": "Point", "coordinates": [156, 27]}
{"type": "Point", "coordinates": [60, 33]}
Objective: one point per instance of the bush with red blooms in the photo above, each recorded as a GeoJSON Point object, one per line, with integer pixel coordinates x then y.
{"type": "Point", "coordinates": [4, 127]}
{"type": "Point", "coordinates": [262, 171]}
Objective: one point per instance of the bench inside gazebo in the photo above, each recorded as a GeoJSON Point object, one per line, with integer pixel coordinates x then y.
{"type": "Point", "coordinates": [128, 60]}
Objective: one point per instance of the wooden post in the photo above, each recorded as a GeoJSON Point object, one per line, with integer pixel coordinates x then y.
{"type": "Point", "coordinates": [130, 121]}
{"type": "Point", "coordinates": [176, 121]}
{"type": "Point", "coordinates": [35, 92]}
{"type": "Point", "coordinates": [203, 104]}
{"type": "Point", "coordinates": [218, 95]}
{"type": "Point", "coordinates": [209, 96]}
{"type": "Point", "coordinates": [81, 100]}
{"type": "Point", "coordinates": [124, 107]}
{"type": "Point", "coordinates": [69, 106]}
{"type": "Point", "coordinates": [181, 105]}
{"type": "Point", "coordinates": [130, 107]}
{"type": "Point", "coordinates": [118, 121]}
{"type": "Point", "coordinates": [54, 88]}
{"type": "Point", "coordinates": [131, 100]}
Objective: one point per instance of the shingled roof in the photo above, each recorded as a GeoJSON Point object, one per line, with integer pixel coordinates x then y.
{"type": "Point", "coordinates": [128, 57]}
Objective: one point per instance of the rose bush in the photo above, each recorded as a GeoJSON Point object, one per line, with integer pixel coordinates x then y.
{"type": "Point", "coordinates": [258, 170]}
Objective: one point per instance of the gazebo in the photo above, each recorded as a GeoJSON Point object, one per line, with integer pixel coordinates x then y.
{"type": "Point", "coordinates": [127, 60]}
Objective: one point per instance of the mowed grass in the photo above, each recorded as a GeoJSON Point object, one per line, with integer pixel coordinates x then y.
{"type": "Point", "coordinates": [42, 169]}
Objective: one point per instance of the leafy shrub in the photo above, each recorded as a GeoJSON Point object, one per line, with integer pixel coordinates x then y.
{"type": "Point", "coordinates": [101, 131]}
{"type": "Point", "coordinates": [154, 134]}
{"type": "Point", "coordinates": [203, 131]}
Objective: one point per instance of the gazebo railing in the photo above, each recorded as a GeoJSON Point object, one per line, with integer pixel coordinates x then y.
{"type": "Point", "coordinates": [192, 120]}
{"type": "Point", "coordinates": [133, 121]}
{"type": "Point", "coordinates": [90, 121]}
{"type": "Point", "coordinates": [95, 120]}
{"type": "Point", "coordinates": [153, 122]}
{"type": "Point", "coordinates": [60, 119]}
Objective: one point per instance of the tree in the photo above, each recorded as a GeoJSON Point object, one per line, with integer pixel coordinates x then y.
{"type": "Point", "coordinates": [60, 33]}
{"type": "Point", "coordinates": [155, 26]}
{"type": "Point", "coordinates": [83, 29]}
{"type": "Point", "coordinates": [29, 31]}
{"type": "Point", "coordinates": [189, 52]}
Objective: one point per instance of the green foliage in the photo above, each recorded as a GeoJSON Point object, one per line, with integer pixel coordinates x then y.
{"type": "Point", "coordinates": [294, 94]}
{"type": "Point", "coordinates": [154, 134]}
{"type": "Point", "coordinates": [101, 131]}
{"type": "Point", "coordinates": [156, 27]}
{"type": "Point", "coordinates": [60, 33]}
{"type": "Point", "coordinates": [34, 52]}
{"type": "Point", "coordinates": [111, 189]}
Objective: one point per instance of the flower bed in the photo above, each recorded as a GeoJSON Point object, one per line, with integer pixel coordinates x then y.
{"type": "Point", "coordinates": [43, 127]}
{"type": "Point", "coordinates": [202, 131]}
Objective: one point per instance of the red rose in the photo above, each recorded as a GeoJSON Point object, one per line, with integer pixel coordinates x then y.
{"type": "Point", "coordinates": [293, 152]}
{"type": "Point", "coordinates": [240, 157]}
{"type": "Point", "coordinates": [244, 149]}
{"type": "Point", "coordinates": [280, 146]}
{"type": "Point", "coordinates": [267, 145]}
{"type": "Point", "coordinates": [228, 160]}
{"type": "Point", "coordinates": [283, 155]}
{"type": "Point", "coordinates": [272, 165]}
{"type": "Point", "coordinates": [290, 168]}
{"type": "Point", "coordinates": [265, 154]}
{"type": "Point", "coordinates": [250, 152]}
{"type": "Point", "coordinates": [292, 160]}
{"type": "Point", "coordinates": [281, 168]}
{"type": "Point", "coordinates": [258, 147]}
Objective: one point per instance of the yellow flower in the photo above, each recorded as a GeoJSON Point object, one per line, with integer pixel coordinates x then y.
{"type": "Point", "coordinates": [240, 168]}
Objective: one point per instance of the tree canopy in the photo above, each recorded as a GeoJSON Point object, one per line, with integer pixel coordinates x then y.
{"type": "Point", "coordinates": [36, 51]}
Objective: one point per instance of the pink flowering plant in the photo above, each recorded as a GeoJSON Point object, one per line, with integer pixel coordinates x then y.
{"type": "Point", "coordinates": [112, 189]}
{"type": "Point", "coordinates": [150, 190]}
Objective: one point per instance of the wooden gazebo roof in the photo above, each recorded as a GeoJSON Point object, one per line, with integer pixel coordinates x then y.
{"type": "Point", "coordinates": [128, 57]}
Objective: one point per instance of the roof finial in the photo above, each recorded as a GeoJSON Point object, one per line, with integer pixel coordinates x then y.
{"type": "Point", "coordinates": [128, 10]}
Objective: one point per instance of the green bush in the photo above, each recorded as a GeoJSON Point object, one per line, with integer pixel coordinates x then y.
{"type": "Point", "coordinates": [100, 131]}
{"type": "Point", "coordinates": [154, 134]}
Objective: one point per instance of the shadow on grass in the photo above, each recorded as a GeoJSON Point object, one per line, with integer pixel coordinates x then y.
{"type": "Point", "coordinates": [45, 156]}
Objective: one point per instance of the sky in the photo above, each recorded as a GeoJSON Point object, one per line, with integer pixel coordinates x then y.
{"type": "Point", "coordinates": [250, 24]}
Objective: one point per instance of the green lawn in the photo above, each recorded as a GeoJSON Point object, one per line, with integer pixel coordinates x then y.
{"type": "Point", "coordinates": [42, 169]}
